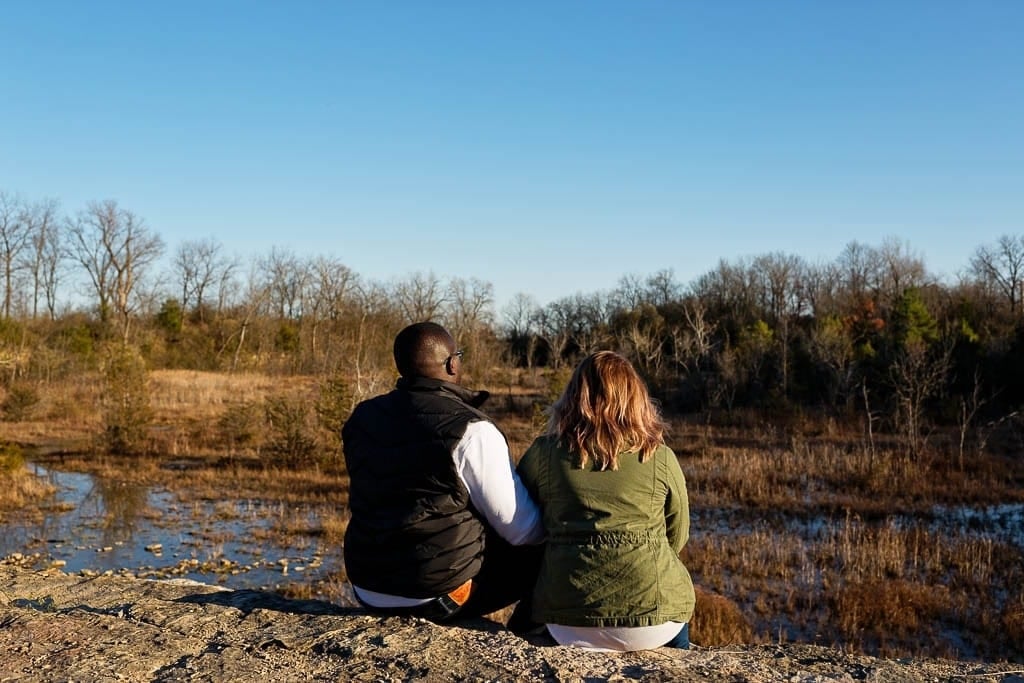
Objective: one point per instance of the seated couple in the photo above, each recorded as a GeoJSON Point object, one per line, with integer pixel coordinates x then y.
{"type": "Point", "coordinates": [585, 534]}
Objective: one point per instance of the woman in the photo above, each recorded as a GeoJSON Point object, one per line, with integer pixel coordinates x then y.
{"type": "Point", "coordinates": [615, 510]}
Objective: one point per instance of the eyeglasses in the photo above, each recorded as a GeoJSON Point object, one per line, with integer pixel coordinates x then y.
{"type": "Point", "coordinates": [455, 354]}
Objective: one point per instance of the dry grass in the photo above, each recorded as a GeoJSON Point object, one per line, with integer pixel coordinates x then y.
{"type": "Point", "coordinates": [20, 488]}
{"type": "Point", "coordinates": [203, 395]}
{"type": "Point", "coordinates": [718, 621]}
{"type": "Point", "coordinates": [762, 468]}
{"type": "Point", "coordinates": [333, 524]}
{"type": "Point", "coordinates": [890, 589]}
{"type": "Point", "coordinates": [862, 580]}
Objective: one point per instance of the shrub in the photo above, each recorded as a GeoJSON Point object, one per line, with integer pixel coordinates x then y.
{"type": "Point", "coordinates": [11, 459]}
{"type": "Point", "coordinates": [21, 400]}
{"type": "Point", "coordinates": [717, 620]}
{"type": "Point", "coordinates": [1012, 630]}
{"type": "Point", "coordinates": [884, 616]}
{"type": "Point", "coordinates": [125, 401]}
{"type": "Point", "coordinates": [333, 406]}
{"type": "Point", "coordinates": [241, 425]}
{"type": "Point", "coordinates": [292, 438]}
{"type": "Point", "coordinates": [557, 380]}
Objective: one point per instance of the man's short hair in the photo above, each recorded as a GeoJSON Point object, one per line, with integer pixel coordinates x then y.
{"type": "Point", "coordinates": [421, 348]}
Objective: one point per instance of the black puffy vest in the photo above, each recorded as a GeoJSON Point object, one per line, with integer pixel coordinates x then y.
{"type": "Point", "coordinates": [413, 530]}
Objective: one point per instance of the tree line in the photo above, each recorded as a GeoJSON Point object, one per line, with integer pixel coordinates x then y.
{"type": "Point", "coordinates": [871, 334]}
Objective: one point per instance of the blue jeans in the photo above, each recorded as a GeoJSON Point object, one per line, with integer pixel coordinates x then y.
{"type": "Point", "coordinates": [682, 639]}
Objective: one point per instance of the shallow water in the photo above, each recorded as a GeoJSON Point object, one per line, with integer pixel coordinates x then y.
{"type": "Point", "coordinates": [1000, 523]}
{"type": "Point", "coordinates": [94, 524]}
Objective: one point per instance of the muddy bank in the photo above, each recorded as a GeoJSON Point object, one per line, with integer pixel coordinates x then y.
{"type": "Point", "coordinates": [57, 627]}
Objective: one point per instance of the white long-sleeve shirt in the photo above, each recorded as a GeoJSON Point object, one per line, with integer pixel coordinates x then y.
{"type": "Point", "coordinates": [483, 463]}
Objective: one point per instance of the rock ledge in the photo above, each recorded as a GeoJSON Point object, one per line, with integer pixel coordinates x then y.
{"type": "Point", "coordinates": [55, 626]}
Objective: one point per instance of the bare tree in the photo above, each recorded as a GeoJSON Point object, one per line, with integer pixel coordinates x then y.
{"type": "Point", "coordinates": [832, 349]}
{"type": "Point", "coordinates": [286, 276]}
{"type": "Point", "coordinates": [14, 238]}
{"type": "Point", "coordinates": [859, 270]}
{"type": "Point", "coordinates": [628, 293]}
{"type": "Point", "coordinates": [662, 288]}
{"type": "Point", "coordinates": [642, 333]}
{"type": "Point", "coordinates": [198, 265]}
{"type": "Point", "coordinates": [776, 278]}
{"type": "Point", "coordinates": [574, 324]}
{"type": "Point", "coordinates": [420, 297]}
{"type": "Point", "coordinates": [554, 327]}
{"type": "Point", "coordinates": [378, 322]}
{"type": "Point", "coordinates": [43, 260]}
{"type": "Point", "coordinates": [820, 285]}
{"type": "Point", "coordinates": [518, 314]}
{"type": "Point", "coordinates": [1002, 268]}
{"type": "Point", "coordinates": [900, 269]}
{"type": "Point", "coordinates": [915, 376]}
{"type": "Point", "coordinates": [469, 307]}
{"type": "Point", "coordinates": [114, 247]}
{"type": "Point", "coordinates": [969, 407]}
{"type": "Point", "coordinates": [331, 285]}
{"type": "Point", "coordinates": [469, 315]}
{"type": "Point", "coordinates": [518, 317]}
{"type": "Point", "coordinates": [692, 342]}
{"type": "Point", "coordinates": [729, 287]}
{"type": "Point", "coordinates": [257, 294]}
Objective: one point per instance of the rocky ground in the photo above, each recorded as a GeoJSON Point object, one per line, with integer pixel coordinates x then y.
{"type": "Point", "coordinates": [60, 627]}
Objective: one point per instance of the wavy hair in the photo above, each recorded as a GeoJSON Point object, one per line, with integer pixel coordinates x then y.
{"type": "Point", "coordinates": [605, 410]}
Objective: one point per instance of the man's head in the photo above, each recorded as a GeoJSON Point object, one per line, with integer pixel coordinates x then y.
{"type": "Point", "coordinates": [427, 350]}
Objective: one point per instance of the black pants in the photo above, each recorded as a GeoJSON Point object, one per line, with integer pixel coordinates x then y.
{"type": "Point", "coordinates": [508, 575]}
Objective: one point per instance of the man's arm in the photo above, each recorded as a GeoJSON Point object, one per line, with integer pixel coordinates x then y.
{"type": "Point", "coordinates": [483, 463]}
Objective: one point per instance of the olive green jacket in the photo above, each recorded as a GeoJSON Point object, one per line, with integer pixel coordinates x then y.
{"type": "Point", "coordinates": [614, 536]}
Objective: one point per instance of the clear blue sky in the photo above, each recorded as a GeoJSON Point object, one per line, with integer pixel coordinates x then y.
{"type": "Point", "coordinates": [547, 147]}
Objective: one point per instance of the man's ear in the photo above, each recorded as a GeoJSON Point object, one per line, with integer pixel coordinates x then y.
{"type": "Point", "coordinates": [449, 365]}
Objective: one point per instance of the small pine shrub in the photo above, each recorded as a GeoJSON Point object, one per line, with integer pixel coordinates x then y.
{"type": "Point", "coordinates": [333, 406]}
{"type": "Point", "coordinates": [557, 380]}
{"type": "Point", "coordinates": [11, 459]}
{"type": "Point", "coordinates": [292, 436]}
{"type": "Point", "coordinates": [241, 425]}
{"type": "Point", "coordinates": [125, 401]}
{"type": "Point", "coordinates": [20, 403]}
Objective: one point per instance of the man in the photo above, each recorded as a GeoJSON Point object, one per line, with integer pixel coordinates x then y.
{"type": "Point", "coordinates": [437, 507]}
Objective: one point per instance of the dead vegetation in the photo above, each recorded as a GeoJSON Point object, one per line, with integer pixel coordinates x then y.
{"type": "Point", "coordinates": [18, 487]}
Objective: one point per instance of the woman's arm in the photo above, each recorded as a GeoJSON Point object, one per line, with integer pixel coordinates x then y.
{"type": "Point", "coordinates": [677, 506]}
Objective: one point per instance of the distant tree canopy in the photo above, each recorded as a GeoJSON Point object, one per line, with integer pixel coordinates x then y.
{"type": "Point", "coordinates": [869, 332]}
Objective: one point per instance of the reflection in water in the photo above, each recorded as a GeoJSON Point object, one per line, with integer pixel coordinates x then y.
{"type": "Point", "coordinates": [95, 524]}
{"type": "Point", "coordinates": [119, 505]}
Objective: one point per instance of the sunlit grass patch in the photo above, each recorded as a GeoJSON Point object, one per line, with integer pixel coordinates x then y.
{"type": "Point", "coordinates": [717, 620]}
{"type": "Point", "coordinates": [18, 486]}
{"type": "Point", "coordinates": [333, 524]}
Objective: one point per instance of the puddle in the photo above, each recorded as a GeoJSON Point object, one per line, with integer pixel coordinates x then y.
{"type": "Point", "coordinates": [93, 524]}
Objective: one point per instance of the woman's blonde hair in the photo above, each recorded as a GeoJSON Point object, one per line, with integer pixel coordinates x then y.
{"type": "Point", "coordinates": [606, 410]}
